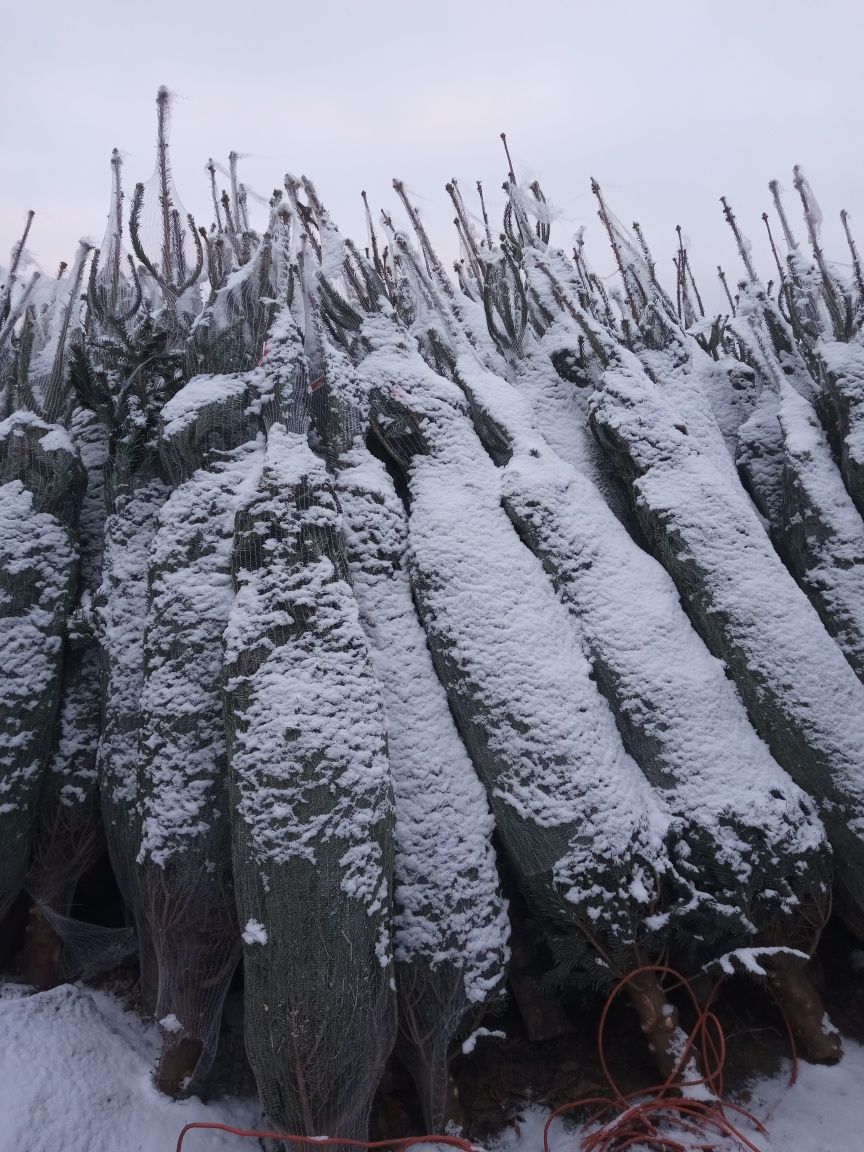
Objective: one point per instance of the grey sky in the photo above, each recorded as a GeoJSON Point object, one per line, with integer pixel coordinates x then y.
{"type": "Point", "coordinates": [669, 103]}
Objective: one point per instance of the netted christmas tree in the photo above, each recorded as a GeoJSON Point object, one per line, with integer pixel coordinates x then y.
{"type": "Point", "coordinates": [312, 806]}
{"type": "Point", "coordinates": [582, 830]}
{"type": "Point", "coordinates": [68, 838]}
{"type": "Point", "coordinates": [211, 452]}
{"type": "Point", "coordinates": [326, 575]}
{"type": "Point", "coordinates": [43, 482]}
{"type": "Point", "coordinates": [761, 874]}
{"type": "Point", "coordinates": [450, 927]}
{"type": "Point", "coordinates": [657, 422]}
{"type": "Point", "coordinates": [135, 361]}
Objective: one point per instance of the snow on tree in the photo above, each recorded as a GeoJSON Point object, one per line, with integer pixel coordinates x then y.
{"type": "Point", "coordinates": [826, 316]}
{"type": "Point", "coordinates": [450, 924]}
{"type": "Point", "coordinates": [68, 838]}
{"type": "Point", "coordinates": [41, 482]}
{"type": "Point", "coordinates": [184, 863]}
{"type": "Point", "coordinates": [585, 835]}
{"type": "Point", "coordinates": [164, 237]}
{"type": "Point", "coordinates": [795, 482]}
{"type": "Point", "coordinates": [799, 691]}
{"type": "Point", "coordinates": [738, 857]}
{"type": "Point", "coordinates": [312, 806]}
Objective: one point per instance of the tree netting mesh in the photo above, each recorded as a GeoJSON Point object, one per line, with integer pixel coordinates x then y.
{"type": "Point", "coordinates": [450, 926]}
{"type": "Point", "coordinates": [312, 809]}
{"type": "Point", "coordinates": [788, 464]}
{"type": "Point", "coordinates": [230, 334]}
{"type": "Point", "coordinates": [68, 838]}
{"type": "Point", "coordinates": [528, 721]}
{"type": "Point", "coordinates": [616, 592]}
{"type": "Point", "coordinates": [742, 600]}
{"type": "Point", "coordinates": [113, 293]}
{"type": "Point", "coordinates": [302, 689]}
{"type": "Point", "coordinates": [41, 484]}
{"type": "Point", "coordinates": [184, 862]}
{"type": "Point", "coordinates": [122, 616]}
{"type": "Point", "coordinates": [89, 950]}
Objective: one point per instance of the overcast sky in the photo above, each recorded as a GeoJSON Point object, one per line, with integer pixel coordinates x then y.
{"type": "Point", "coordinates": [669, 103]}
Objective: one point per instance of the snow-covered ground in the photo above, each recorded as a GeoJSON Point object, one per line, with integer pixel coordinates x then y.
{"type": "Point", "coordinates": [75, 1077]}
{"type": "Point", "coordinates": [821, 1112]}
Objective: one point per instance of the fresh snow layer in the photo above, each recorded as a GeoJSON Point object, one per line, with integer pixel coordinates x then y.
{"type": "Point", "coordinates": [446, 892]}
{"type": "Point", "coordinates": [312, 716]}
{"type": "Point", "coordinates": [680, 717]}
{"type": "Point", "coordinates": [254, 933]}
{"type": "Point", "coordinates": [579, 815]}
{"type": "Point", "coordinates": [201, 391]}
{"type": "Point", "coordinates": [182, 736]}
{"type": "Point", "coordinates": [54, 438]}
{"type": "Point", "coordinates": [821, 1112]}
{"type": "Point", "coordinates": [76, 1076]}
{"type": "Point", "coordinates": [798, 687]}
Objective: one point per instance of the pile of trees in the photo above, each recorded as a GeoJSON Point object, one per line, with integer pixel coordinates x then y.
{"type": "Point", "coordinates": [332, 584]}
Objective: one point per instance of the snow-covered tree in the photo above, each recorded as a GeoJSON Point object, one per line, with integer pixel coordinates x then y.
{"type": "Point", "coordinates": [312, 804]}
{"type": "Point", "coordinates": [450, 925]}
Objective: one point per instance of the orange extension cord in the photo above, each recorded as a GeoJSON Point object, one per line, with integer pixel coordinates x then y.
{"type": "Point", "coordinates": [328, 1141]}
{"type": "Point", "coordinates": [637, 1115]}
{"type": "Point", "coordinates": [640, 1113]}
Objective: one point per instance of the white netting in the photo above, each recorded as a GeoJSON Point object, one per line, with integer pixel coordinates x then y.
{"type": "Point", "coordinates": [41, 482]}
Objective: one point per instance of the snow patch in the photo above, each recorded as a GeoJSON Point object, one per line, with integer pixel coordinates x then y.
{"type": "Point", "coordinates": [254, 933]}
